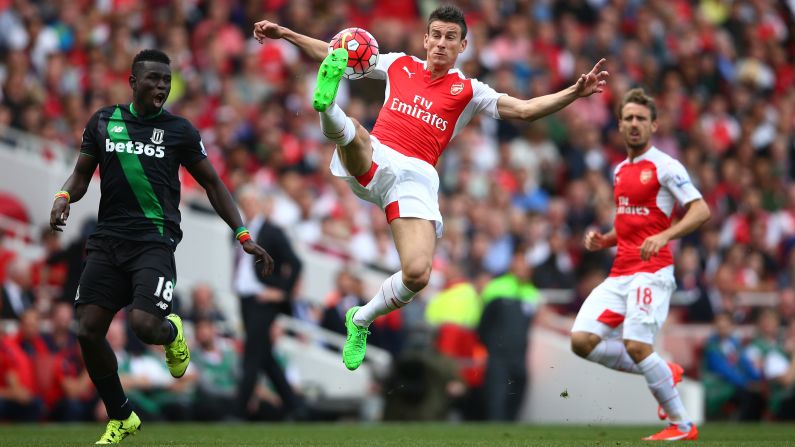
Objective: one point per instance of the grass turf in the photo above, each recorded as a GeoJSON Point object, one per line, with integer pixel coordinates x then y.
{"type": "Point", "coordinates": [457, 435]}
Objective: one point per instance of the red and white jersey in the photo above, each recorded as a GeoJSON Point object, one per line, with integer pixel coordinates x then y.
{"type": "Point", "coordinates": [420, 116]}
{"type": "Point", "coordinates": [646, 189]}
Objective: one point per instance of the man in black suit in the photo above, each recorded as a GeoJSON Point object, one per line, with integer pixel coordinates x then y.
{"type": "Point", "coordinates": [17, 295]}
{"type": "Point", "coordinates": [261, 300]}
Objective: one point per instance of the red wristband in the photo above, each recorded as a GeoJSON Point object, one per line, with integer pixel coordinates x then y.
{"type": "Point", "coordinates": [244, 237]}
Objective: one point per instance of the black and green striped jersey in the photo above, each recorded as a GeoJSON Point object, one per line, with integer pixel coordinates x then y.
{"type": "Point", "coordinates": [139, 160]}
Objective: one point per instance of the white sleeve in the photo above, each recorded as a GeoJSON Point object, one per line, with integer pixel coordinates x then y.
{"type": "Point", "coordinates": [484, 98]}
{"type": "Point", "coordinates": [676, 180]}
{"type": "Point", "coordinates": [381, 67]}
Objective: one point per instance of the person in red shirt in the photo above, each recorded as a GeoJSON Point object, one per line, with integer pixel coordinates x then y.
{"type": "Point", "coordinates": [632, 303]}
{"type": "Point", "coordinates": [428, 102]}
{"type": "Point", "coordinates": [18, 398]}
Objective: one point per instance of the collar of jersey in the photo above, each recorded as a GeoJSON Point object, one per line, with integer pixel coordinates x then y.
{"type": "Point", "coordinates": [427, 73]}
{"type": "Point", "coordinates": [154, 115]}
{"type": "Point", "coordinates": [642, 156]}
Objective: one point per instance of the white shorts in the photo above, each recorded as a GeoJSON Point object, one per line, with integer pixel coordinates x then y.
{"type": "Point", "coordinates": [402, 186]}
{"type": "Point", "coordinates": [639, 302]}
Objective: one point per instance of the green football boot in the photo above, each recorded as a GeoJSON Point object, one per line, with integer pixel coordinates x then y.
{"type": "Point", "coordinates": [328, 79]}
{"type": "Point", "coordinates": [118, 430]}
{"type": "Point", "coordinates": [356, 343]}
{"type": "Point", "coordinates": [177, 352]}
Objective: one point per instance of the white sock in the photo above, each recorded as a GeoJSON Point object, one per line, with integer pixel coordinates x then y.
{"type": "Point", "coordinates": [661, 383]}
{"type": "Point", "coordinates": [613, 354]}
{"type": "Point", "coordinates": [336, 126]}
{"type": "Point", "coordinates": [392, 295]}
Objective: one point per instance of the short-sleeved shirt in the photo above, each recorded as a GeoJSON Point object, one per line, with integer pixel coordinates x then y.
{"type": "Point", "coordinates": [646, 189]}
{"type": "Point", "coordinates": [139, 160]}
{"type": "Point", "coordinates": [420, 116]}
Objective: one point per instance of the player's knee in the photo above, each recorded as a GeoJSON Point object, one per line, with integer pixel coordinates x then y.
{"type": "Point", "coordinates": [416, 274]}
{"type": "Point", "coordinates": [89, 331]}
{"type": "Point", "coordinates": [582, 343]}
{"type": "Point", "coordinates": [638, 350]}
{"type": "Point", "coordinates": [144, 326]}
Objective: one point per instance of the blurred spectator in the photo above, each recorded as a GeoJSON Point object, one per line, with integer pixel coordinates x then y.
{"type": "Point", "coordinates": [690, 287]}
{"type": "Point", "coordinates": [728, 374]}
{"type": "Point", "coordinates": [17, 292]}
{"type": "Point", "coordinates": [349, 292]}
{"type": "Point", "coordinates": [71, 395]}
{"type": "Point", "coordinates": [261, 299]}
{"type": "Point", "coordinates": [72, 256]}
{"type": "Point", "coordinates": [218, 365]}
{"type": "Point", "coordinates": [772, 359]}
{"type": "Point", "coordinates": [48, 278]}
{"type": "Point", "coordinates": [454, 313]}
{"type": "Point", "coordinates": [18, 398]}
{"type": "Point", "coordinates": [203, 307]}
{"type": "Point", "coordinates": [510, 302]}
{"type": "Point", "coordinates": [421, 387]}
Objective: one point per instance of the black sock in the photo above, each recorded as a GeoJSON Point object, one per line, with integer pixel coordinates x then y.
{"type": "Point", "coordinates": [112, 394]}
{"type": "Point", "coordinates": [173, 334]}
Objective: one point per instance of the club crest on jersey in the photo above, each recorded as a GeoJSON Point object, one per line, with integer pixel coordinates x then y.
{"type": "Point", "coordinates": [645, 176]}
{"type": "Point", "coordinates": [157, 136]}
{"type": "Point", "coordinates": [456, 88]}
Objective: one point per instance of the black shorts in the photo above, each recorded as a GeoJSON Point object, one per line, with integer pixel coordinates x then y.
{"type": "Point", "coordinates": [119, 272]}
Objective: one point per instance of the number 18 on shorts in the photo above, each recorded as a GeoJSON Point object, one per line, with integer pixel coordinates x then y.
{"type": "Point", "coordinates": [632, 307]}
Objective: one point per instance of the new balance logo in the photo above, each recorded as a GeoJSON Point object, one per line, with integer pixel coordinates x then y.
{"type": "Point", "coordinates": [406, 69]}
{"type": "Point", "coordinates": [162, 305]}
{"type": "Point", "coordinates": [117, 129]}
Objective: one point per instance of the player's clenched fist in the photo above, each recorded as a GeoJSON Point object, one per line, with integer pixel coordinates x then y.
{"type": "Point", "coordinates": [594, 241]}
{"type": "Point", "coordinates": [266, 29]}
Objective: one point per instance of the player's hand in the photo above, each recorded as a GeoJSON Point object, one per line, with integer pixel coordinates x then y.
{"type": "Point", "coordinates": [593, 81]}
{"type": "Point", "coordinates": [265, 29]}
{"type": "Point", "coordinates": [264, 260]}
{"type": "Point", "coordinates": [594, 241]}
{"type": "Point", "coordinates": [652, 245]}
{"type": "Point", "coordinates": [59, 214]}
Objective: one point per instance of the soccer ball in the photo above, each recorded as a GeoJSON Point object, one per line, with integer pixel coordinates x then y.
{"type": "Point", "coordinates": [362, 51]}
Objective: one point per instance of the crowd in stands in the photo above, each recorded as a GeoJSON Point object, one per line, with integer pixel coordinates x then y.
{"type": "Point", "coordinates": [722, 73]}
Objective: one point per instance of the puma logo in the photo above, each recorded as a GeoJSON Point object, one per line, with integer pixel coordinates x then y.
{"type": "Point", "coordinates": [406, 69]}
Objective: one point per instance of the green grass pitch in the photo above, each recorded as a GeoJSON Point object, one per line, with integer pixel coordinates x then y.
{"type": "Point", "coordinates": [360, 435]}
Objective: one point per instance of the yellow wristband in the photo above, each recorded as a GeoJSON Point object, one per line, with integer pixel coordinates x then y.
{"type": "Point", "coordinates": [64, 194]}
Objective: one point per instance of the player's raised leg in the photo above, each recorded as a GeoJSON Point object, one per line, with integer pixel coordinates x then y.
{"type": "Point", "coordinates": [601, 313]}
{"type": "Point", "coordinates": [415, 240]}
{"type": "Point", "coordinates": [610, 352]}
{"type": "Point", "coordinates": [92, 325]}
{"type": "Point", "coordinates": [352, 139]}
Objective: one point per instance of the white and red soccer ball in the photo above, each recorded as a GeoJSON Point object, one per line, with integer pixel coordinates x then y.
{"type": "Point", "coordinates": [362, 51]}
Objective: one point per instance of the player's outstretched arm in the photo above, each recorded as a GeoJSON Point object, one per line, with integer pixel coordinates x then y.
{"type": "Point", "coordinates": [222, 202]}
{"type": "Point", "coordinates": [535, 108]}
{"type": "Point", "coordinates": [595, 241]}
{"type": "Point", "coordinates": [696, 215]}
{"type": "Point", "coordinates": [75, 187]}
{"type": "Point", "coordinates": [314, 48]}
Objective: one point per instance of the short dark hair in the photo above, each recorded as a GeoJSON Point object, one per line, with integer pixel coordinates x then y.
{"type": "Point", "coordinates": [638, 96]}
{"type": "Point", "coordinates": [150, 55]}
{"type": "Point", "coordinates": [449, 14]}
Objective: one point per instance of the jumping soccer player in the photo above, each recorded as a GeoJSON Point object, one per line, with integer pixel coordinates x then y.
{"type": "Point", "coordinates": [638, 291]}
{"type": "Point", "coordinates": [139, 148]}
{"type": "Point", "coordinates": [427, 104]}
